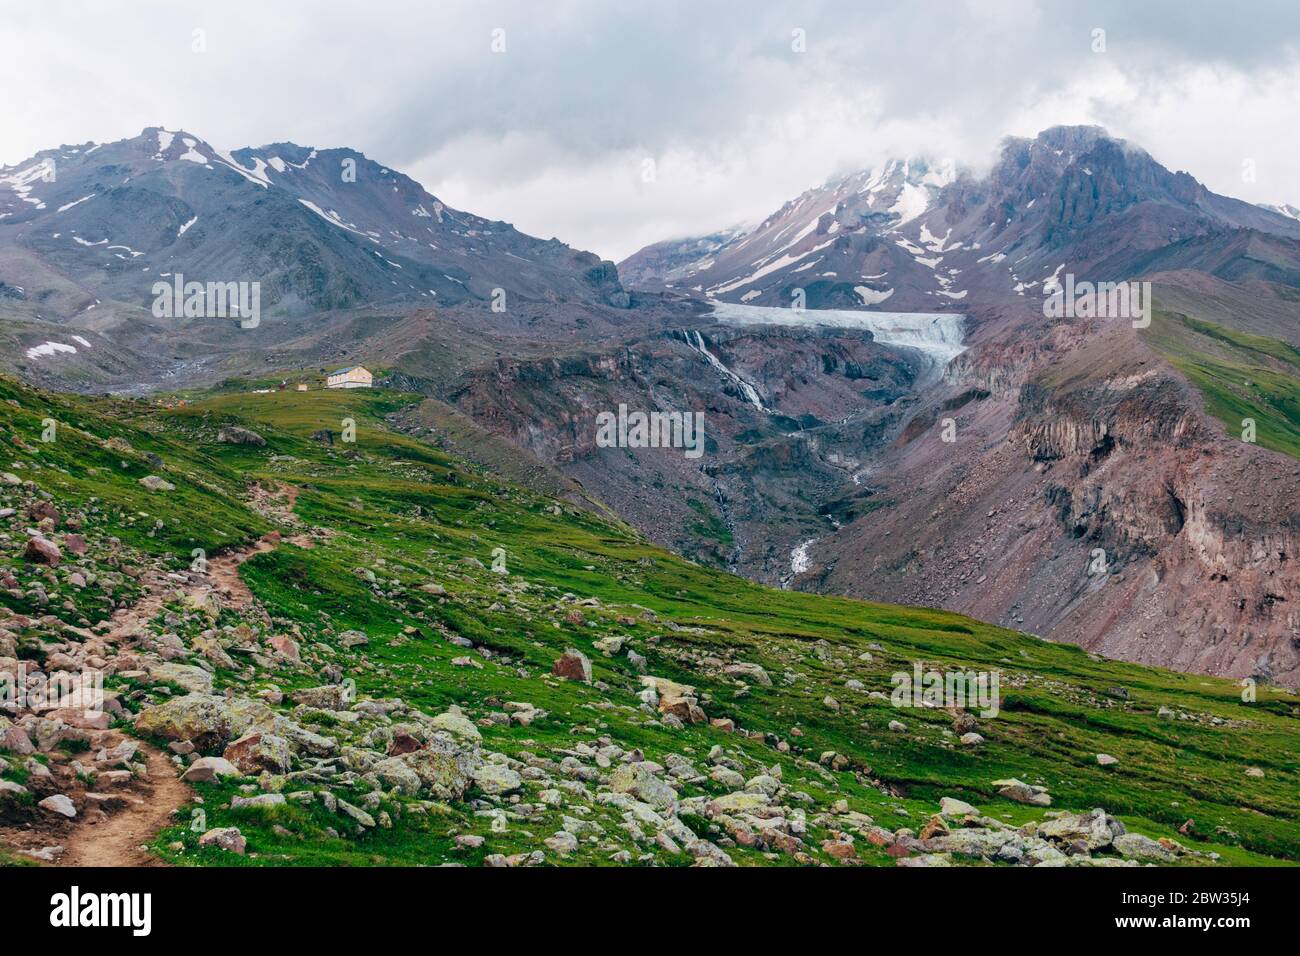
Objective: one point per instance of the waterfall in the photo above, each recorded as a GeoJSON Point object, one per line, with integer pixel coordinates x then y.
{"type": "Point", "coordinates": [696, 341]}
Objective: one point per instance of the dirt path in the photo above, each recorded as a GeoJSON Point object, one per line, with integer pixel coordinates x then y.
{"type": "Point", "coordinates": [116, 840]}
{"type": "Point", "coordinates": [132, 817]}
{"type": "Point", "coordinates": [222, 570]}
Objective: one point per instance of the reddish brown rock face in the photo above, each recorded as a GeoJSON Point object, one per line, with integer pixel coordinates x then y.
{"type": "Point", "coordinates": [43, 551]}
{"type": "Point", "coordinates": [403, 743]}
{"type": "Point", "coordinates": [285, 646]}
{"type": "Point", "coordinates": [839, 850]}
{"type": "Point", "coordinates": [1089, 500]}
{"type": "Point", "coordinates": [256, 752]}
{"type": "Point", "coordinates": [573, 665]}
{"type": "Point", "coordinates": [44, 511]}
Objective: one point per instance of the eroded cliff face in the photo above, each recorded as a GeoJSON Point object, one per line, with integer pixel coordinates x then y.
{"type": "Point", "coordinates": [1145, 478]}
{"type": "Point", "coordinates": [1095, 504]}
{"type": "Point", "coordinates": [548, 406]}
{"type": "Point", "coordinates": [788, 415]}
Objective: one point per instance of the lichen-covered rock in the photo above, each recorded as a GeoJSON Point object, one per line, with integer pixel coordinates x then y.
{"type": "Point", "coordinates": [207, 769]}
{"type": "Point", "coordinates": [247, 715]}
{"type": "Point", "coordinates": [302, 740]}
{"type": "Point", "coordinates": [458, 725]}
{"type": "Point", "coordinates": [257, 752]}
{"type": "Point", "coordinates": [444, 768]}
{"type": "Point", "coordinates": [203, 719]}
{"type": "Point", "coordinates": [206, 603]}
{"type": "Point", "coordinates": [1135, 846]}
{"type": "Point", "coordinates": [952, 807]}
{"type": "Point", "coordinates": [395, 774]}
{"type": "Point", "coordinates": [16, 741]}
{"type": "Point", "coordinates": [210, 721]}
{"type": "Point", "coordinates": [357, 814]}
{"type": "Point", "coordinates": [328, 697]}
{"type": "Point", "coordinates": [562, 842]}
{"type": "Point", "coordinates": [185, 676]}
{"type": "Point", "coordinates": [752, 671]}
{"type": "Point", "coordinates": [225, 838]}
{"type": "Point", "coordinates": [727, 777]}
{"type": "Point", "coordinates": [1022, 792]}
{"type": "Point", "coordinates": [1095, 829]}
{"type": "Point", "coordinates": [737, 803]}
{"type": "Point", "coordinates": [495, 779]}
{"type": "Point", "coordinates": [353, 639]}
{"type": "Point", "coordinates": [984, 844]}
{"type": "Point", "coordinates": [259, 801]}
{"type": "Point", "coordinates": [13, 796]}
{"type": "Point", "coordinates": [639, 781]}
{"type": "Point", "coordinates": [234, 435]}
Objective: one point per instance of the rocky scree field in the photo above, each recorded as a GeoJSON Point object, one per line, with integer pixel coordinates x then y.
{"type": "Point", "coordinates": [373, 653]}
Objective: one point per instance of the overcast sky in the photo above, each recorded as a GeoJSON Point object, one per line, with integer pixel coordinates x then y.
{"type": "Point", "coordinates": [557, 133]}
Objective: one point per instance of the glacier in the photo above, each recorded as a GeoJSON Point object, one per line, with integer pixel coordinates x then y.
{"type": "Point", "coordinates": [937, 335]}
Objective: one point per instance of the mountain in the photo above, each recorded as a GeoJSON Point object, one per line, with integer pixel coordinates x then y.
{"type": "Point", "coordinates": [672, 261]}
{"type": "Point", "coordinates": [1285, 209]}
{"type": "Point", "coordinates": [921, 236]}
{"type": "Point", "coordinates": [380, 654]}
{"type": "Point", "coordinates": [841, 224]}
{"type": "Point", "coordinates": [86, 231]}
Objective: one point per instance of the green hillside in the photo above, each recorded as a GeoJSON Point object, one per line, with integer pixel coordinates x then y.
{"type": "Point", "coordinates": [1241, 375]}
{"type": "Point", "coordinates": [404, 540]}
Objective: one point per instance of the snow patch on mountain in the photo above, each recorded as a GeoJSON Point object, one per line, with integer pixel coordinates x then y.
{"type": "Point", "coordinates": [255, 175]}
{"type": "Point", "coordinates": [912, 201]}
{"type": "Point", "coordinates": [870, 296]}
{"type": "Point", "coordinates": [333, 219]}
{"type": "Point", "coordinates": [799, 559]}
{"type": "Point", "coordinates": [1283, 209]}
{"type": "Point", "coordinates": [192, 154]}
{"type": "Point", "coordinates": [773, 266]}
{"type": "Point", "coordinates": [66, 206]}
{"type": "Point", "coordinates": [49, 348]}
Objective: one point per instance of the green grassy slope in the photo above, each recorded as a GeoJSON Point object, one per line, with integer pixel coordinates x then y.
{"type": "Point", "coordinates": [403, 514]}
{"type": "Point", "coordinates": [1241, 375]}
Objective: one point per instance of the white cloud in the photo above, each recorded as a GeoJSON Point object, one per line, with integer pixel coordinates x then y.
{"type": "Point", "coordinates": [552, 135]}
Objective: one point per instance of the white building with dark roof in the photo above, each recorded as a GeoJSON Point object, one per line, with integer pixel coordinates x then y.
{"type": "Point", "coordinates": [354, 376]}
